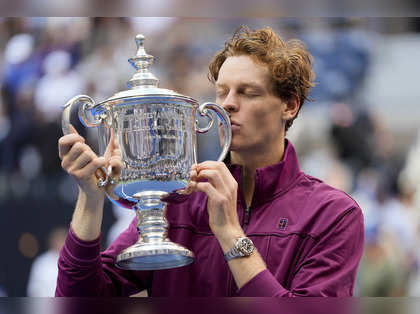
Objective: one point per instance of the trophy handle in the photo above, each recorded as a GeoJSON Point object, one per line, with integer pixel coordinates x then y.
{"type": "Point", "coordinates": [223, 117]}
{"type": "Point", "coordinates": [88, 119]}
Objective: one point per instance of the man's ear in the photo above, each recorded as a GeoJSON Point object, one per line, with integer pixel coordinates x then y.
{"type": "Point", "coordinates": [291, 107]}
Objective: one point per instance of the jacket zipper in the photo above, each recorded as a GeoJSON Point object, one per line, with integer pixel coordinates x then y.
{"type": "Point", "coordinates": [246, 217]}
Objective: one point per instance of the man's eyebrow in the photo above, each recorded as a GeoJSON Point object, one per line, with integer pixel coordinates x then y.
{"type": "Point", "coordinates": [242, 85]}
{"type": "Point", "coordinates": [251, 85]}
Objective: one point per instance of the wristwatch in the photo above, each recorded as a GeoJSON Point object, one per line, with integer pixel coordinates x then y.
{"type": "Point", "coordinates": [242, 247]}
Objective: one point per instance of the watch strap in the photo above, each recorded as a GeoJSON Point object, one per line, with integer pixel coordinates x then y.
{"type": "Point", "coordinates": [233, 253]}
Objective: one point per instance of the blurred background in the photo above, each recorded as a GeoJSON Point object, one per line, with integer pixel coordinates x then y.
{"type": "Point", "coordinates": [360, 133]}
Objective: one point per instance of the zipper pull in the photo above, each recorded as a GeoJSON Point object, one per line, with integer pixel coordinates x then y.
{"type": "Point", "coordinates": [247, 212]}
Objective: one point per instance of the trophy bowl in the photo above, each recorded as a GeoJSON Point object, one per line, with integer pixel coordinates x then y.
{"type": "Point", "coordinates": [155, 131]}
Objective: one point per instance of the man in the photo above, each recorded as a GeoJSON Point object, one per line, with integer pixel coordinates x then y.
{"type": "Point", "coordinates": [307, 237]}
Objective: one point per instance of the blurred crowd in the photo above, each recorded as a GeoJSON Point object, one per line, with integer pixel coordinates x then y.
{"type": "Point", "coordinates": [341, 136]}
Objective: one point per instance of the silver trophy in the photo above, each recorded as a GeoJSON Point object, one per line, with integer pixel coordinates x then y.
{"type": "Point", "coordinates": [155, 130]}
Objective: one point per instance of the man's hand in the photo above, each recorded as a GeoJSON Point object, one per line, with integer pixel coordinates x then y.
{"type": "Point", "coordinates": [113, 158]}
{"type": "Point", "coordinates": [78, 160]}
{"type": "Point", "coordinates": [215, 179]}
{"type": "Point", "coordinates": [83, 164]}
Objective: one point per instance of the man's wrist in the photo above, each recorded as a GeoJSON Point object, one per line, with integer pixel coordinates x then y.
{"type": "Point", "coordinates": [87, 217]}
{"type": "Point", "coordinates": [91, 201]}
{"type": "Point", "coordinates": [227, 239]}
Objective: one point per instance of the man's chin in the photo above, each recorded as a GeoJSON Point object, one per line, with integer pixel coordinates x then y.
{"type": "Point", "coordinates": [237, 148]}
{"type": "Point", "coordinates": [233, 147]}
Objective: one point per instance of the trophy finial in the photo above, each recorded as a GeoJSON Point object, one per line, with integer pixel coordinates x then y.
{"type": "Point", "coordinates": [141, 62]}
{"type": "Point", "coordinates": [139, 41]}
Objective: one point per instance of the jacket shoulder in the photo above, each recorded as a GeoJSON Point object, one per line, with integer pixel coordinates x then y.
{"type": "Point", "coordinates": [323, 205]}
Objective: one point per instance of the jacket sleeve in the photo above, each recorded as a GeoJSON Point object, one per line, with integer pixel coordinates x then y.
{"type": "Point", "coordinates": [329, 268]}
{"type": "Point", "coordinates": [84, 271]}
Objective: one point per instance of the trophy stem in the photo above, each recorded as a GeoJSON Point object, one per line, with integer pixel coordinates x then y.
{"type": "Point", "coordinates": [151, 222]}
{"type": "Point", "coordinates": [153, 250]}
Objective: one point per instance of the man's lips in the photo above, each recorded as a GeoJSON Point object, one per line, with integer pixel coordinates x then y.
{"type": "Point", "coordinates": [232, 123]}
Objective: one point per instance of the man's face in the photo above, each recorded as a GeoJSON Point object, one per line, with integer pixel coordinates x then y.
{"type": "Point", "coordinates": [243, 89]}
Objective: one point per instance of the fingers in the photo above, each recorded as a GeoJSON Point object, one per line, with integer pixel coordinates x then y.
{"type": "Point", "coordinates": [113, 156]}
{"type": "Point", "coordinates": [83, 164]}
{"type": "Point", "coordinates": [219, 200]}
{"type": "Point", "coordinates": [191, 187]}
{"type": "Point", "coordinates": [217, 173]}
{"type": "Point", "coordinates": [112, 147]}
{"type": "Point", "coordinates": [89, 169]}
{"type": "Point", "coordinates": [66, 142]}
{"type": "Point", "coordinates": [78, 156]}
{"type": "Point", "coordinates": [207, 188]}
{"type": "Point", "coordinates": [116, 165]}
{"type": "Point", "coordinates": [73, 130]}
{"type": "Point", "coordinates": [214, 165]}
{"type": "Point", "coordinates": [211, 177]}
{"type": "Point", "coordinates": [79, 161]}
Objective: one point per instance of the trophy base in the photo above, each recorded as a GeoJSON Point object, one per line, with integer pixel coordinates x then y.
{"type": "Point", "coordinates": [154, 256]}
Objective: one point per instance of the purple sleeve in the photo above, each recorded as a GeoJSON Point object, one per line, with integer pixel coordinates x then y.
{"type": "Point", "coordinates": [329, 269]}
{"type": "Point", "coordinates": [84, 271]}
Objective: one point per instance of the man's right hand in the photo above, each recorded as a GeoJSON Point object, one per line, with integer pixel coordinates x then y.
{"type": "Point", "coordinates": [78, 160]}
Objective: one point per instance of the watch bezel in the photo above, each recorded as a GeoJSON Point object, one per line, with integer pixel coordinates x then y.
{"type": "Point", "coordinates": [245, 246]}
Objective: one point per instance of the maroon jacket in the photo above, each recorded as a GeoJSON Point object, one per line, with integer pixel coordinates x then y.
{"type": "Point", "coordinates": [309, 235]}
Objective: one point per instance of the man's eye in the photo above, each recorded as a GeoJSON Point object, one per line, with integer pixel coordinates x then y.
{"type": "Point", "coordinates": [251, 94]}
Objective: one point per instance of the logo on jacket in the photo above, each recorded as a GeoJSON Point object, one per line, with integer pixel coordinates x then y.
{"type": "Point", "coordinates": [282, 224]}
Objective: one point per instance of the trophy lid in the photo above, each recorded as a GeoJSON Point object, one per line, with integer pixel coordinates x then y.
{"type": "Point", "coordinates": [143, 82]}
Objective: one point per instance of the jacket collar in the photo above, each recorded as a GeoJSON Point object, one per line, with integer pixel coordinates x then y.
{"type": "Point", "coordinates": [272, 180]}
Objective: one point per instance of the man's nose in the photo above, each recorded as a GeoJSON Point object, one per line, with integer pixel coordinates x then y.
{"type": "Point", "coordinates": [230, 104]}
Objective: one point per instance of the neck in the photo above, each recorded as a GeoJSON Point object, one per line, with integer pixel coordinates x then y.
{"type": "Point", "coordinates": [250, 162]}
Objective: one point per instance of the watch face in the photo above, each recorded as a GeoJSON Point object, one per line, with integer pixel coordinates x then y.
{"type": "Point", "coordinates": [246, 246]}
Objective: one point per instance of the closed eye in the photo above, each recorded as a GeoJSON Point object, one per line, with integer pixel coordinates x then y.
{"type": "Point", "coordinates": [250, 93]}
